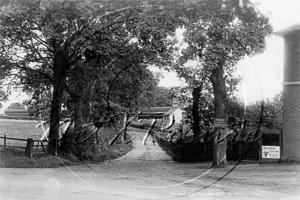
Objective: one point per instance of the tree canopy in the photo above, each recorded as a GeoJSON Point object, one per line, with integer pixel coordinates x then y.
{"type": "Point", "coordinates": [217, 38]}
{"type": "Point", "coordinates": [48, 42]}
{"type": "Point", "coordinates": [83, 50]}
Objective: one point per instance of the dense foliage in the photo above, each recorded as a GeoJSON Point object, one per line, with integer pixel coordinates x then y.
{"type": "Point", "coordinates": [92, 56]}
{"type": "Point", "coordinates": [15, 106]}
{"type": "Point", "coordinates": [217, 38]}
{"type": "Point", "coordinates": [66, 43]}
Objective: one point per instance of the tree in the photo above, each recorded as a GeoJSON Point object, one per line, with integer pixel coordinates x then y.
{"type": "Point", "coordinates": [196, 78]}
{"type": "Point", "coordinates": [3, 95]}
{"type": "Point", "coordinates": [41, 42]}
{"type": "Point", "coordinates": [202, 107]}
{"type": "Point", "coordinates": [159, 97]}
{"type": "Point", "coordinates": [277, 105]}
{"type": "Point", "coordinates": [46, 40]}
{"type": "Point", "coordinates": [39, 103]}
{"type": "Point", "coordinates": [272, 113]}
{"type": "Point", "coordinates": [15, 106]}
{"type": "Point", "coordinates": [222, 34]}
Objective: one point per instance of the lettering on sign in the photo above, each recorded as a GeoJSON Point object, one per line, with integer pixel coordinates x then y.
{"type": "Point", "coordinates": [220, 122]}
{"type": "Point", "coordinates": [272, 152]}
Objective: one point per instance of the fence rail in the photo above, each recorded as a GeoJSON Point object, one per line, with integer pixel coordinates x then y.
{"type": "Point", "coordinates": [29, 144]}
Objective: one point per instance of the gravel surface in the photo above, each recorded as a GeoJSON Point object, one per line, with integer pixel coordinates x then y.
{"type": "Point", "coordinates": [148, 173]}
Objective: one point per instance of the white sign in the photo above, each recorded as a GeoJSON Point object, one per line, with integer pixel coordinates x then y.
{"type": "Point", "coordinates": [220, 122]}
{"type": "Point", "coordinates": [272, 152]}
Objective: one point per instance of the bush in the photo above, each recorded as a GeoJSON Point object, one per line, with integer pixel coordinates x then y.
{"type": "Point", "coordinates": [90, 144]}
{"type": "Point", "coordinates": [144, 125]}
{"type": "Point", "coordinates": [139, 125]}
{"type": "Point", "coordinates": [82, 144]}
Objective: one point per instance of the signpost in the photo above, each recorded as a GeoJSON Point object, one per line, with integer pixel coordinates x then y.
{"type": "Point", "coordinates": [271, 152]}
{"type": "Point", "coordinates": [220, 123]}
{"type": "Point", "coordinates": [270, 147]}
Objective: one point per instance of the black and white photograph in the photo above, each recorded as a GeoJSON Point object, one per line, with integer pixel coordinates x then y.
{"type": "Point", "coordinates": [149, 99]}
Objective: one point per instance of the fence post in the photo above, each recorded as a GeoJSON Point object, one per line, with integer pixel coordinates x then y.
{"type": "Point", "coordinates": [29, 147]}
{"type": "Point", "coordinates": [53, 143]}
{"type": "Point", "coordinates": [240, 149]}
{"type": "Point", "coordinates": [4, 142]}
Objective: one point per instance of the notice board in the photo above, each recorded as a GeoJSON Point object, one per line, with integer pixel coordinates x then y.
{"type": "Point", "coordinates": [270, 148]}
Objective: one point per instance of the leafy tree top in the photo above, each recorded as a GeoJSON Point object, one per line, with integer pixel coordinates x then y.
{"type": "Point", "coordinates": [225, 32]}
{"type": "Point", "coordinates": [15, 106]}
{"type": "Point", "coordinates": [36, 36]}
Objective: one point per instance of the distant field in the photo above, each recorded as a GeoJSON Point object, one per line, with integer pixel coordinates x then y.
{"type": "Point", "coordinates": [19, 129]}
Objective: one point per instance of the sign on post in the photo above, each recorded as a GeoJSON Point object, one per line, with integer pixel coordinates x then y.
{"type": "Point", "coordinates": [270, 146]}
{"type": "Point", "coordinates": [271, 152]}
{"type": "Point", "coordinates": [220, 122]}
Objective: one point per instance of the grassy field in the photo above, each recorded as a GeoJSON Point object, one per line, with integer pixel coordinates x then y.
{"type": "Point", "coordinates": [23, 129]}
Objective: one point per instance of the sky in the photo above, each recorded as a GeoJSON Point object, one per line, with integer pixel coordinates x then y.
{"type": "Point", "coordinates": [262, 74]}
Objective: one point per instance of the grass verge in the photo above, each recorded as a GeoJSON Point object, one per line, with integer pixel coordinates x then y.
{"type": "Point", "coordinates": [12, 157]}
{"type": "Point", "coordinates": [15, 157]}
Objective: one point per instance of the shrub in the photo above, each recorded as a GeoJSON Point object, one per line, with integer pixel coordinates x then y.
{"type": "Point", "coordinates": [90, 144]}
{"type": "Point", "coordinates": [144, 125]}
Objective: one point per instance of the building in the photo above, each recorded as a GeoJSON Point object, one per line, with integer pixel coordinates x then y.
{"type": "Point", "coordinates": [291, 93]}
{"type": "Point", "coordinates": [16, 112]}
{"type": "Point", "coordinates": [167, 114]}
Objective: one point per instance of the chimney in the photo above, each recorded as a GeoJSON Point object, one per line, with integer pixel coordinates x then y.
{"type": "Point", "coordinates": [175, 103]}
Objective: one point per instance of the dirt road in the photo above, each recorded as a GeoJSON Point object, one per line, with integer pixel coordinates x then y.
{"type": "Point", "coordinates": [148, 173]}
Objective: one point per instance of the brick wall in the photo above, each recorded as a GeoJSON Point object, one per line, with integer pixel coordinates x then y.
{"type": "Point", "coordinates": [291, 122]}
{"type": "Point", "coordinates": [291, 97]}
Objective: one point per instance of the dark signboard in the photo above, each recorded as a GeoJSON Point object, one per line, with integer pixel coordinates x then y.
{"type": "Point", "coordinates": [270, 146]}
{"type": "Point", "coordinates": [270, 139]}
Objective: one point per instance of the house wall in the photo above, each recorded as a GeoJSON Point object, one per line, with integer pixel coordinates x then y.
{"type": "Point", "coordinates": [165, 120]}
{"type": "Point", "coordinates": [291, 97]}
{"type": "Point", "coordinates": [178, 116]}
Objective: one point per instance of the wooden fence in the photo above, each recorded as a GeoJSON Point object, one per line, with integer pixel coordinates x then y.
{"type": "Point", "coordinates": [199, 151]}
{"type": "Point", "coordinates": [29, 144]}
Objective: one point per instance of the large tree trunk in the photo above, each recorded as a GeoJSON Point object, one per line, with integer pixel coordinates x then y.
{"type": "Point", "coordinates": [196, 97]}
{"type": "Point", "coordinates": [220, 111]}
{"type": "Point", "coordinates": [60, 68]}
{"type": "Point", "coordinates": [78, 119]}
{"type": "Point", "coordinates": [55, 114]}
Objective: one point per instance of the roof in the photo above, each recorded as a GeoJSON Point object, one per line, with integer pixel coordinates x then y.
{"type": "Point", "coordinates": [154, 112]}
{"type": "Point", "coordinates": [16, 112]}
{"type": "Point", "coordinates": [289, 30]}
{"type": "Point", "coordinates": [156, 109]}
{"type": "Point", "coordinates": [169, 112]}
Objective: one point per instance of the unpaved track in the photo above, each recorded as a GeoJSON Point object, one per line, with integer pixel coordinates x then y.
{"type": "Point", "coordinates": [148, 173]}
